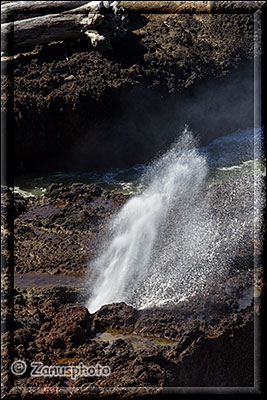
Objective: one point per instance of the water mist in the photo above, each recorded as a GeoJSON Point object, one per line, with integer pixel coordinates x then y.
{"type": "Point", "coordinates": [168, 240]}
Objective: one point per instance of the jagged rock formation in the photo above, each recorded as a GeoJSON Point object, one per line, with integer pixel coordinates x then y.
{"type": "Point", "coordinates": [73, 102]}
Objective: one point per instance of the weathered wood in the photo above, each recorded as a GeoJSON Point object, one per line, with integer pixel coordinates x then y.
{"type": "Point", "coordinates": [18, 10]}
{"type": "Point", "coordinates": [96, 20]}
{"type": "Point", "coordinates": [48, 28]}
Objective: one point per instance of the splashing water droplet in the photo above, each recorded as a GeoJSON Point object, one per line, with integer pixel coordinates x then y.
{"type": "Point", "coordinates": [167, 241]}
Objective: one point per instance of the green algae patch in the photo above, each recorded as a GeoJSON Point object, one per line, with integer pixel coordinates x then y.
{"type": "Point", "coordinates": [160, 340]}
{"type": "Point", "coordinates": [115, 332]}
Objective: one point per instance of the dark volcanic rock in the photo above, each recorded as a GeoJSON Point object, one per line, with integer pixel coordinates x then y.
{"type": "Point", "coordinates": [202, 353]}
{"type": "Point", "coordinates": [21, 204]}
{"type": "Point", "coordinates": [195, 343]}
{"type": "Point", "coordinates": [12, 205]}
{"type": "Point", "coordinates": [120, 108]}
{"type": "Point", "coordinates": [116, 316]}
{"type": "Point", "coordinates": [198, 343]}
{"type": "Point", "coordinates": [70, 327]}
{"type": "Point", "coordinates": [103, 115]}
{"type": "Point", "coordinates": [67, 222]}
{"type": "Point", "coordinates": [59, 294]}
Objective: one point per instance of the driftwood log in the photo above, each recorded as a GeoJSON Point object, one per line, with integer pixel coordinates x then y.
{"type": "Point", "coordinates": [39, 22]}
{"type": "Point", "coordinates": [96, 20]}
{"type": "Point", "coordinates": [17, 10]}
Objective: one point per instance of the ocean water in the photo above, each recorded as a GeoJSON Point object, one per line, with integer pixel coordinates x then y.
{"type": "Point", "coordinates": [177, 231]}
{"type": "Point", "coordinates": [239, 153]}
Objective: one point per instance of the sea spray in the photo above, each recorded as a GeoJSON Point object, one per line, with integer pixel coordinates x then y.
{"type": "Point", "coordinates": [185, 230]}
{"type": "Point", "coordinates": [124, 263]}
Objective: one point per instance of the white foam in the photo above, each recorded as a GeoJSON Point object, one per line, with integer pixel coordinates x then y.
{"type": "Point", "coordinates": [167, 242]}
{"type": "Point", "coordinates": [126, 258]}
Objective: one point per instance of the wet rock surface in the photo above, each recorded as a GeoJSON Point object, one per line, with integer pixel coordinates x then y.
{"type": "Point", "coordinates": [161, 347]}
{"type": "Point", "coordinates": [74, 108]}
{"type": "Point", "coordinates": [196, 343]}
{"type": "Point", "coordinates": [66, 221]}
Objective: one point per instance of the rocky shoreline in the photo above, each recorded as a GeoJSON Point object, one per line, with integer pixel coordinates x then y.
{"type": "Point", "coordinates": [67, 221]}
{"type": "Point", "coordinates": [177, 349]}
{"type": "Point", "coordinates": [74, 108]}
{"type": "Point", "coordinates": [197, 343]}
